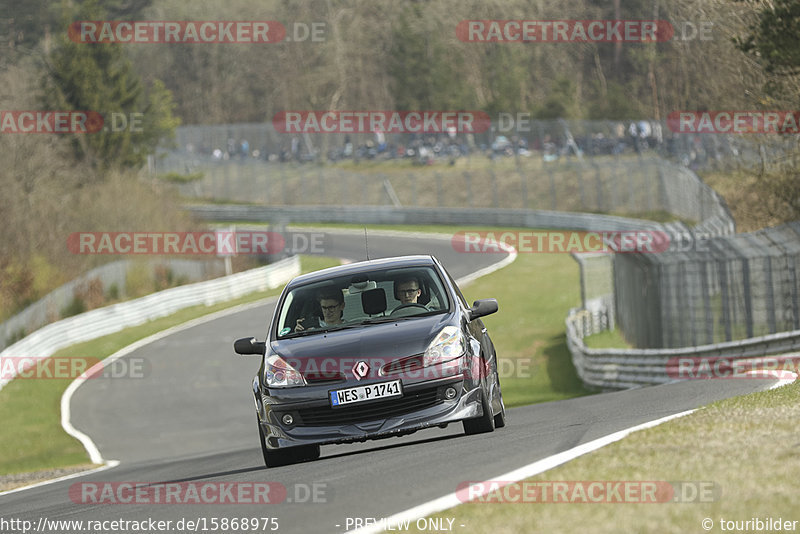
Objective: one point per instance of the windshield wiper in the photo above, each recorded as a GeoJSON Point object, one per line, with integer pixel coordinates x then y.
{"type": "Point", "coordinates": [387, 319]}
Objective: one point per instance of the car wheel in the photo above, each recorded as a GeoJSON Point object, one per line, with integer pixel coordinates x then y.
{"type": "Point", "coordinates": [484, 423]}
{"type": "Point", "coordinates": [500, 418]}
{"type": "Point", "coordinates": [292, 455]}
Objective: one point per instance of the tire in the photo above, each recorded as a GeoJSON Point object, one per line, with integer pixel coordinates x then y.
{"type": "Point", "coordinates": [291, 455]}
{"type": "Point", "coordinates": [482, 424]}
{"type": "Point", "coordinates": [500, 418]}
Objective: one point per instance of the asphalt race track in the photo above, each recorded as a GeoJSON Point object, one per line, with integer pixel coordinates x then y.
{"type": "Point", "coordinates": [191, 420]}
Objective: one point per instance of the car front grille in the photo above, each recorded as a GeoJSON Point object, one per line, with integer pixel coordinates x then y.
{"type": "Point", "coordinates": [409, 402]}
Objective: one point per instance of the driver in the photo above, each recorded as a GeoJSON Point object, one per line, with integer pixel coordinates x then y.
{"type": "Point", "coordinates": [407, 290]}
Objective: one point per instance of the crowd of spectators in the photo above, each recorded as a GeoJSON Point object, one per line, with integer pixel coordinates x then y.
{"type": "Point", "coordinates": [555, 141]}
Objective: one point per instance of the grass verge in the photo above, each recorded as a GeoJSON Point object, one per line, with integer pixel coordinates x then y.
{"type": "Point", "coordinates": [608, 339]}
{"type": "Point", "coordinates": [743, 450]}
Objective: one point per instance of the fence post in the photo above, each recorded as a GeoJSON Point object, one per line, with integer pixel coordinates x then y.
{"type": "Point", "coordinates": [495, 196]}
{"type": "Point", "coordinates": [706, 293]}
{"type": "Point", "coordinates": [748, 300]}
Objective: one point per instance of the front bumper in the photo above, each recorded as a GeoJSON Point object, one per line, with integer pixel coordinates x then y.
{"type": "Point", "coordinates": [423, 405]}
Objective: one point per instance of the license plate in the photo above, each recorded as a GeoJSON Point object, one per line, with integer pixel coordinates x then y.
{"type": "Point", "coordinates": [367, 392]}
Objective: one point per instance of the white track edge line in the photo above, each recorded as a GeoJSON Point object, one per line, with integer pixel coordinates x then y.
{"type": "Point", "coordinates": [540, 466]}
{"type": "Point", "coordinates": [66, 424]}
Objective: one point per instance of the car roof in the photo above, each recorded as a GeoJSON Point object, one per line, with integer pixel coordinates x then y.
{"type": "Point", "coordinates": [421, 260]}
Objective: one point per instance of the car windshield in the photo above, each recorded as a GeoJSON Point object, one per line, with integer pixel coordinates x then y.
{"type": "Point", "coordinates": [354, 301]}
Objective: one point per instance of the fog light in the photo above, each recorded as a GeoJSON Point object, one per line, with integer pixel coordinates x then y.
{"type": "Point", "coordinates": [287, 419]}
{"type": "Point", "coordinates": [450, 393]}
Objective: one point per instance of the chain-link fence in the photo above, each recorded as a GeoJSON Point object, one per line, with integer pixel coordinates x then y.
{"type": "Point", "coordinates": [718, 289]}
{"type": "Point", "coordinates": [626, 185]}
{"type": "Point", "coordinates": [510, 135]}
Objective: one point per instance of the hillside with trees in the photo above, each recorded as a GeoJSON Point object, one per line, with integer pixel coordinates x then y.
{"type": "Point", "coordinates": [374, 55]}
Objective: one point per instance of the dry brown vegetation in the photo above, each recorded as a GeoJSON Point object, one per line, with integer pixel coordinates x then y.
{"type": "Point", "coordinates": [46, 196]}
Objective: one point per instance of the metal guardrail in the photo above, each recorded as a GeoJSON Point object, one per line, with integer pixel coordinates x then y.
{"type": "Point", "coordinates": [626, 368]}
{"type": "Point", "coordinates": [110, 319]}
{"type": "Point", "coordinates": [111, 275]}
{"type": "Point", "coordinates": [416, 216]}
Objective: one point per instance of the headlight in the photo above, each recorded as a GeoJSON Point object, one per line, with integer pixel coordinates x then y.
{"type": "Point", "coordinates": [279, 374]}
{"type": "Point", "coordinates": [448, 345]}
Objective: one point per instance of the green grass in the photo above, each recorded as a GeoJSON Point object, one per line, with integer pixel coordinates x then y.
{"type": "Point", "coordinates": [534, 294]}
{"type": "Point", "coordinates": [32, 438]}
{"type": "Point", "coordinates": [745, 447]}
{"type": "Point", "coordinates": [608, 339]}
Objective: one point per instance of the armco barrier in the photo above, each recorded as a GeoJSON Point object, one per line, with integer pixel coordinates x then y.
{"type": "Point", "coordinates": [103, 321]}
{"type": "Point", "coordinates": [389, 215]}
{"type": "Point", "coordinates": [47, 309]}
{"type": "Point", "coordinates": [608, 369]}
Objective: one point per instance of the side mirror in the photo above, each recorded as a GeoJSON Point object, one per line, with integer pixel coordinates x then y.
{"type": "Point", "coordinates": [249, 345]}
{"type": "Point", "coordinates": [482, 307]}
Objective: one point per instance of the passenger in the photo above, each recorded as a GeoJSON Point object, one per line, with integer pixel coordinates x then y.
{"type": "Point", "coordinates": [331, 302]}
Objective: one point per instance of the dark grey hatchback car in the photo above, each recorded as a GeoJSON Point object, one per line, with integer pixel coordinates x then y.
{"type": "Point", "coordinates": [372, 350]}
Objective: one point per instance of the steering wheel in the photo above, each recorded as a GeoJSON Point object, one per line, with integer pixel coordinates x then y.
{"type": "Point", "coordinates": [406, 306]}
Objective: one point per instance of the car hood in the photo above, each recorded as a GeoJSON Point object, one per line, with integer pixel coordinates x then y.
{"type": "Point", "coordinates": [387, 341]}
